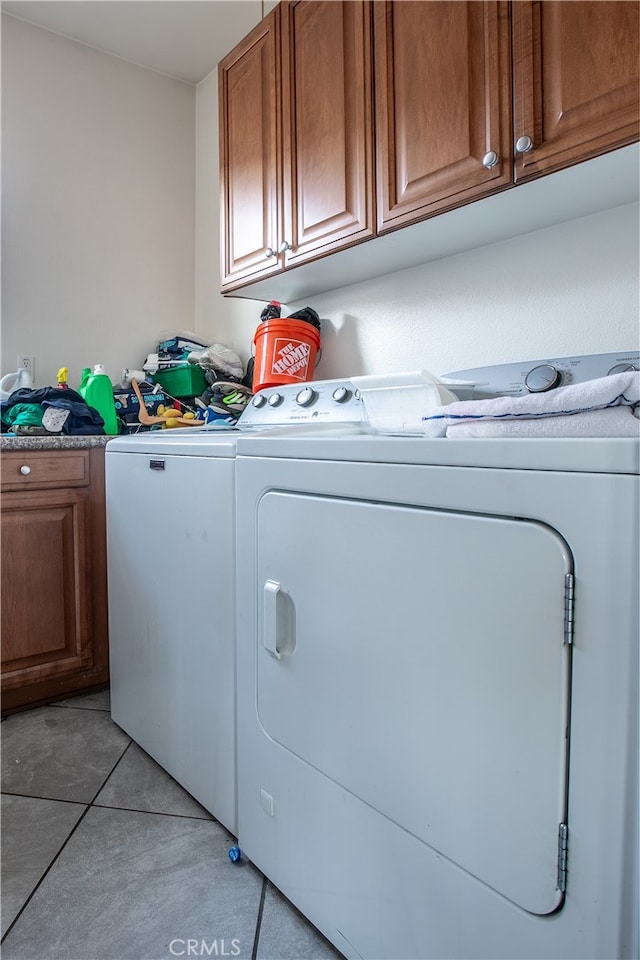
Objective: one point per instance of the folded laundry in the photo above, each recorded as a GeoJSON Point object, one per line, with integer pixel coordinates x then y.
{"type": "Point", "coordinates": [609, 422]}
{"type": "Point", "coordinates": [576, 402]}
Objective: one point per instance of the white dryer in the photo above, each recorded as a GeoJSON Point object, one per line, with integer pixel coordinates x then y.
{"type": "Point", "coordinates": [438, 689]}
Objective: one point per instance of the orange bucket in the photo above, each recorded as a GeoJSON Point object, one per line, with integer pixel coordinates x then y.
{"type": "Point", "coordinates": [285, 352]}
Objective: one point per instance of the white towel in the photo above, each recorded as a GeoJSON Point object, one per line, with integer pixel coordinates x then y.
{"type": "Point", "coordinates": [611, 422]}
{"type": "Point", "coordinates": [567, 404]}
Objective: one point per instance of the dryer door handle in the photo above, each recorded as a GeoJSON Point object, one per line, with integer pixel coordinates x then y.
{"type": "Point", "coordinates": [270, 618]}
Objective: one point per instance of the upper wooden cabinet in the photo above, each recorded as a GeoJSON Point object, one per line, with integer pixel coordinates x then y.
{"type": "Point", "coordinates": [327, 127]}
{"type": "Point", "coordinates": [250, 161]}
{"type": "Point", "coordinates": [470, 99]}
{"type": "Point", "coordinates": [443, 105]}
{"type": "Point", "coordinates": [576, 81]}
{"type": "Point", "coordinates": [445, 84]}
{"type": "Point", "coordinates": [296, 137]}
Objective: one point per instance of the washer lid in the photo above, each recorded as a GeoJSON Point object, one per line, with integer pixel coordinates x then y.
{"type": "Point", "coordinates": [185, 442]}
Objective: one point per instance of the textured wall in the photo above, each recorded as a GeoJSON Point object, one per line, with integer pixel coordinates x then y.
{"type": "Point", "coordinates": [98, 205]}
{"type": "Point", "coordinates": [566, 290]}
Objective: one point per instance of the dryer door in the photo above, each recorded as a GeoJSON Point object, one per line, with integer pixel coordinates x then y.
{"type": "Point", "coordinates": [417, 658]}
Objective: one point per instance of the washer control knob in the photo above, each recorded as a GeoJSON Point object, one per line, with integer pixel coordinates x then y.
{"type": "Point", "coordinates": [259, 400]}
{"type": "Point", "coordinates": [622, 368]}
{"type": "Point", "coordinates": [542, 378]}
{"type": "Point", "coordinates": [275, 399]}
{"type": "Point", "coordinates": [306, 397]}
{"type": "Point", "coordinates": [341, 394]}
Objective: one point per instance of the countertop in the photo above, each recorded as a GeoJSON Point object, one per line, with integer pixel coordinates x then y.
{"type": "Point", "coordinates": [54, 442]}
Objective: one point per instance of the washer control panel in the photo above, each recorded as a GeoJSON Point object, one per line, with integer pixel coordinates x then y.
{"type": "Point", "coordinates": [538, 376]}
{"type": "Point", "coordinates": [338, 401]}
{"type": "Point", "coordinates": [321, 401]}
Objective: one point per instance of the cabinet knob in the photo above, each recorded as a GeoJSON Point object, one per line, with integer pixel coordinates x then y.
{"type": "Point", "coordinates": [25, 471]}
{"type": "Point", "coordinates": [490, 159]}
{"type": "Point", "coordinates": [284, 246]}
{"type": "Point", "coordinates": [524, 145]}
{"type": "Point", "coordinates": [269, 252]}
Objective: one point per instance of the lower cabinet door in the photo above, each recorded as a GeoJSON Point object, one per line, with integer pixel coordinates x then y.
{"type": "Point", "coordinates": [46, 612]}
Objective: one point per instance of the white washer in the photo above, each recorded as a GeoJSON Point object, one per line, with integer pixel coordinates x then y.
{"type": "Point", "coordinates": [171, 573]}
{"type": "Point", "coordinates": [438, 689]}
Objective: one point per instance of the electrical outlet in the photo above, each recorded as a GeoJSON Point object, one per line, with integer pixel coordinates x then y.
{"type": "Point", "coordinates": [28, 364]}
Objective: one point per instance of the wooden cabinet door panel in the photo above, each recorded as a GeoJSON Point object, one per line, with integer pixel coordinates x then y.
{"type": "Point", "coordinates": [327, 125]}
{"type": "Point", "coordinates": [576, 77]}
{"type": "Point", "coordinates": [45, 596]}
{"type": "Point", "coordinates": [250, 201]}
{"type": "Point", "coordinates": [442, 102]}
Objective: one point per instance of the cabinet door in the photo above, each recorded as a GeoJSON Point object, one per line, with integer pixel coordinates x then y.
{"type": "Point", "coordinates": [576, 80]}
{"type": "Point", "coordinates": [327, 126]}
{"type": "Point", "coordinates": [249, 155]}
{"type": "Point", "coordinates": [45, 597]}
{"type": "Point", "coordinates": [443, 89]}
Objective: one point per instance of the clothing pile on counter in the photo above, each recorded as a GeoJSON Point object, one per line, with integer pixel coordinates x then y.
{"type": "Point", "coordinates": [607, 407]}
{"type": "Point", "coordinates": [47, 411]}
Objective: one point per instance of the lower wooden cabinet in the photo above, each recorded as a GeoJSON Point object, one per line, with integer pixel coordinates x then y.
{"type": "Point", "coordinates": [54, 584]}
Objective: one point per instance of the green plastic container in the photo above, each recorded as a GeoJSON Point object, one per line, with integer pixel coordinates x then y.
{"type": "Point", "coordinates": [186, 380]}
{"type": "Point", "coordinates": [97, 391]}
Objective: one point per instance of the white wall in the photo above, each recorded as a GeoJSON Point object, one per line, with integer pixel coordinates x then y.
{"type": "Point", "coordinates": [98, 205]}
{"type": "Point", "coordinates": [222, 319]}
{"type": "Point", "coordinates": [563, 291]}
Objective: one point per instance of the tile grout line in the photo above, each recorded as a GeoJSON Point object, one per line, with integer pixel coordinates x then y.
{"type": "Point", "coordinates": [34, 796]}
{"type": "Point", "coordinates": [256, 938]}
{"type": "Point", "coordinates": [92, 804]}
{"type": "Point", "coordinates": [103, 784]}
{"type": "Point", "coordinates": [55, 859]}
{"type": "Point", "coordinates": [158, 813]}
{"type": "Point", "coordinates": [75, 706]}
{"type": "Point", "coordinates": [111, 806]}
{"type": "Point", "coordinates": [88, 806]}
{"type": "Point", "coordinates": [56, 703]}
{"type": "Point", "coordinates": [42, 878]}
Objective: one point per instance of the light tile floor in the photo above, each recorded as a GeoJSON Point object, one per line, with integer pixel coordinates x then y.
{"type": "Point", "coordinates": [105, 857]}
